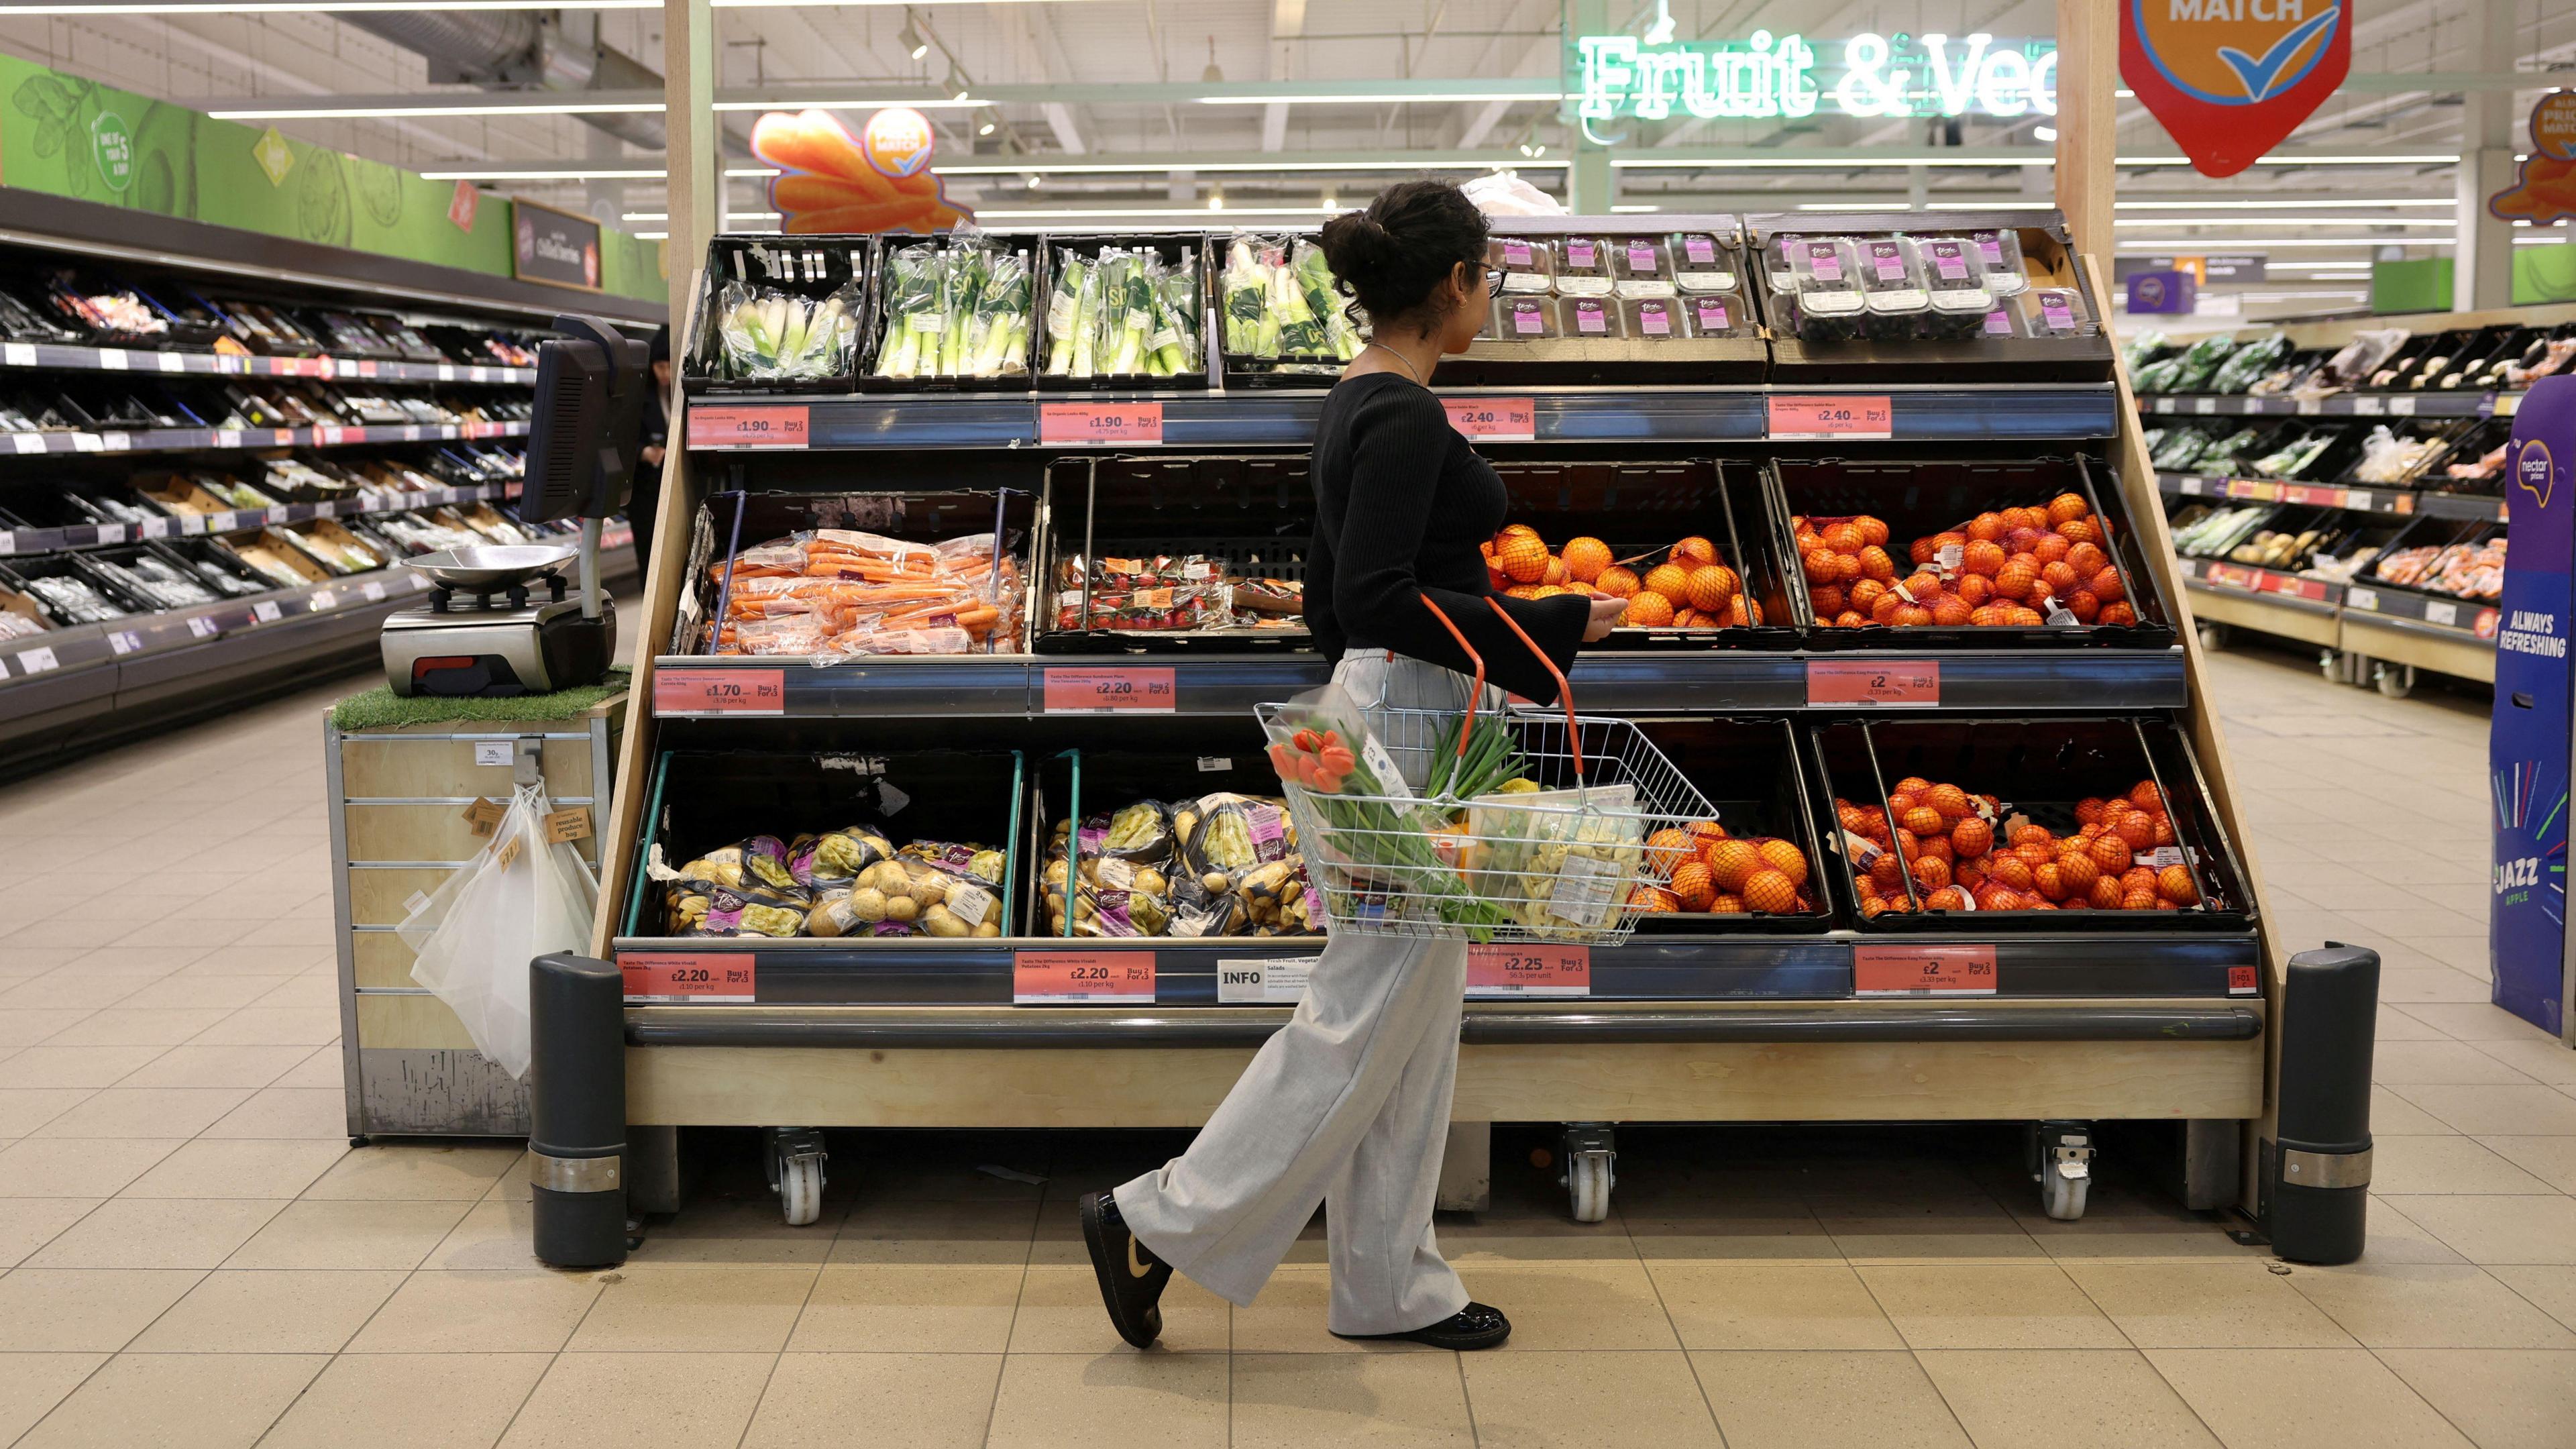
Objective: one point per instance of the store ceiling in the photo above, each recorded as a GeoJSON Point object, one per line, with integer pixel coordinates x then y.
{"type": "Point", "coordinates": [1181, 94]}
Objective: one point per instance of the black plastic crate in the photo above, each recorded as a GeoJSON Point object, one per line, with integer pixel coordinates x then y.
{"type": "Point", "coordinates": [1172, 249]}
{"type": "Point", "coordinates": [1917, 499]}
{"type": "Point", "coordinates": [872, 337]}
{"type": "Point", "coordinates": [812, 267]}
{"type": "Point", "coordinates": [2042, 769]}
{"type": "Point", "coordinates": [2442, 433]}
{"type": "Point", "coordinates": [1081, 785]}
{"type": "Point", "coordinates": [218, 568]}
{"type": "Point", "coordinates": [1242, 370]}
{"type": "Point", "coordinates": [2481, 439]}
{"type": "Point", "coordinates": [26, 575]}
{"type": "Point", "coordinates": [1252, 517]}
{"type": "Point", "coordinates": [1751, 769]}
{"type": "Point", "coordinates": [703, 800]}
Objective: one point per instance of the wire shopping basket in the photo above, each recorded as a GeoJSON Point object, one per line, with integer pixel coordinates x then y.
{"type": "Point", "coordinates": [1487, 825]}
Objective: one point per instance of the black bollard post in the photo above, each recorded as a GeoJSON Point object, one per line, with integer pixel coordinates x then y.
{"type": "Point", "coordinates": [2319, 1170]}
{"type": "Point", "coordinates": [577, 1110]}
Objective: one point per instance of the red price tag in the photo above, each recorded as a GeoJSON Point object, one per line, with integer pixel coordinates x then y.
{"type": "Point", "coordinates": [1871, 682]}
{"type": "Point", "coordinates": [2242, 981]}
{"type": "Point", "coordinates": [1794, 418]}
{"type": "Point", "coordinates": [1923, 970]}
{"type": "Point", "coordinates": [714, 977]}
{"type": "Point", "coordinates": [753, 427]}
{"type": "Point", "coordinates": [1497, 419]}
{"type": "Point", "coordinates": [1113, 424]}
{"type": "Point", "coordinates": [719, 691]}
{"type": "Point", "coordinates": [1529, 970]}
{"type": "Point", "coordinates": [1045, 976]}
{"type": "Point", "coordinates": [1110, 691]}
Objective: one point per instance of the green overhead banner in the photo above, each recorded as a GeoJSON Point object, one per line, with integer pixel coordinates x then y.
{"type": "Point", "coordinates": [71, 137]}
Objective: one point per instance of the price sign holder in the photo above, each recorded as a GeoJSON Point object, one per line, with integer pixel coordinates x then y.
{"type": "Point", "coordinates": [719, 691]}
{"type": "Point", "coordinates": [750, 427]}
{"type": "Point", "coordinates": [1127, 690]}
{"type": "Point", "coordinates": [1529, 970]}
{"type": "Point", "coordinates": [1830, 418]}
{"type": "Point", "coordinates": [1923, 970]}
{"type": "Point", "coordinates": [1494, 419]}
{"type": "Point", "coordinates": [1053, 977]}
{"type": "Point", "coordinates": [713, 978]}
{"type": "Point", "coordinates": [1096, 424]}
{"type": "Point", "coordinates": [1902, 683]}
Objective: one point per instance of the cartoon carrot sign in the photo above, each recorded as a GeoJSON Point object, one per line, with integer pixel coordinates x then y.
{"type": "Point", "coordinates": [829, 182]}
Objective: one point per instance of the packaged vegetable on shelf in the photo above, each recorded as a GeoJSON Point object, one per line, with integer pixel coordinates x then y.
{"type": "Point", "coordinates": [2249, 362]}
{"type": "Point", "coordinates": [1278, 301]}
{"type": "Point", "coordinates": [744, 889]}
{"type": "Point", "coordinates": [839, 592]}
{"type": "Point", "coordinates": [1123, 312]}
{"type": "Point", "coordinates": [770, 335]}
{"type": "Point", "coordinates": [955, 310]}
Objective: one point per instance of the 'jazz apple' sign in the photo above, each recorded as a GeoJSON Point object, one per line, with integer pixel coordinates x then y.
{"type": "Point", "coordinates": [2229, 79]}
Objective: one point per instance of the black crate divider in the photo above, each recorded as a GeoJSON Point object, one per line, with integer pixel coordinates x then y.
{"type": "Point", "coordinates": [812, 267]}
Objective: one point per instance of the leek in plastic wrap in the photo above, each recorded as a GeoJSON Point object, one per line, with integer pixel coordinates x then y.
{"type": "Point", "coordinates": [2286, 461]}
{"type": "Point", "coordinates": [2200, 360]}
{"type": "Point", "coordinates": [1280, 301]}
{"type": "Point", "coordinates": [958, 310]}
{"type": "Point", "coordinates": [2182, 448]}
{"type": "Point", "coordinates": [2141, 347]}
{"type": "Point", "coordinates": [2248, 363]}
{"type": "Point", "coordinates": [769, 335]}
{"type": "Point", "coordinates": [1123, 313]}
{"type": "Point", "coordinates": [2157, 376]}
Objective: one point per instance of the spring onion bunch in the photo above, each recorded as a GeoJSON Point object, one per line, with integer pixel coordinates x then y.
{"type": "Point", "coordinates": [1124, 312]}
{"type": "Point", "coordinates": [1279, 302]}
{"type": "Point", "coordinates": [767, 334]}
{"type": "Point", "coordinates": [955, 310]}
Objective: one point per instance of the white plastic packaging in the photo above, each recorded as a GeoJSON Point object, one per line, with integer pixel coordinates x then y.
{"type": "Point", "coordinates": [474, 936]}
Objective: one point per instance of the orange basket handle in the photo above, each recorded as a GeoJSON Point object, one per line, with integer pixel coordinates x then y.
{"type": "Point", "coordinates": [1475, 697]}
{"type": "Point", "coordinates": [1564, 691]}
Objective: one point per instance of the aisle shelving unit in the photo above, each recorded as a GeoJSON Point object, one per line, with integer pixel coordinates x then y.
{"type": "Point", "coordinates": [77, 683]}
{"type": "Point", "coordinates": [2071, 1025]}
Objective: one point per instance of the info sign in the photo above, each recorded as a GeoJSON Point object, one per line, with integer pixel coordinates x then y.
{"type": "Point", "coordinates": [2230, 79]}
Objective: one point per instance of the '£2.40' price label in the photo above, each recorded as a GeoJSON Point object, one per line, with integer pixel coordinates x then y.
{"type": "Point", "coordinates": [1494, 419]}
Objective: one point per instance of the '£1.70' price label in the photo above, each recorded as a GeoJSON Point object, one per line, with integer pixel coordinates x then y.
{"type": "Point", "coordinates": [719, 691]}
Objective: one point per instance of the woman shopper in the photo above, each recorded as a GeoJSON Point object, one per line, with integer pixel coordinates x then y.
{"type": "Point", "coordinates": [1348, 1105]}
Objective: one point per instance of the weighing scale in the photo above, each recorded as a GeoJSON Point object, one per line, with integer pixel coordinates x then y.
{"type": "Point", "coordinates": [498, 621]}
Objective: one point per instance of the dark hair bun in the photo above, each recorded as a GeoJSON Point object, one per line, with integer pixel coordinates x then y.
{"type": "Point", "coordinates": [1390, 256]}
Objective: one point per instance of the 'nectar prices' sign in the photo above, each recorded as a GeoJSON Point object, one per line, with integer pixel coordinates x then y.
{"type": "Point", "coordinates": [1792, 419]}
{"type": "Point", "coordinates": [1923, 970]}
{"type": "Point", "coordinates": [1529, 970]}
{"type": "Point", "coordinates": [1115, 424]}
{"type": "Point", "coordinates": [1494, 419]}
{"type": "Point", "coordinates": [1046, 977]}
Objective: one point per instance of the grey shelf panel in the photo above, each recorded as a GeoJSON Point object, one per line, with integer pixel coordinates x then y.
{"type": "Point", "coordinates": [2394, 502]}
{"type": "Point", "coordinates": [92, 535]}
{"type": "Point", "coordinates": [2341, 405]}
{"type": "Point", "coordinates": [68, 357]}
{"type": "Point", "coordinates": [197, 440]}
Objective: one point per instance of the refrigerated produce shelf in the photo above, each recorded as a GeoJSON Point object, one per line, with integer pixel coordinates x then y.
{"type": "Point", "coordinates": [67, 357]}
{"type": "Point", "coordinates": [194, 440]}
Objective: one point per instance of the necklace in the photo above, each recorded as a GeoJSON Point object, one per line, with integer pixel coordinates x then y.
{"type": "Point", "coordinates": [1400, 357]}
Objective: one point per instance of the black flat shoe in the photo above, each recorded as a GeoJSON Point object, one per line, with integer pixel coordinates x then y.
{"type": "Point", "coordinates": [1472, 1327]}
{"type": "Point", "coordinates": [1131, 1277]}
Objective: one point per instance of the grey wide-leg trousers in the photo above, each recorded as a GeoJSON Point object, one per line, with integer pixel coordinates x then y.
{"type": "Point", "coordinates": [1347, 1106]}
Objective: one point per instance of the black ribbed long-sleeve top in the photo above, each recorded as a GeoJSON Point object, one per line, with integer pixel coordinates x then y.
{"type": "Point", "coordinates": [1401, 503]}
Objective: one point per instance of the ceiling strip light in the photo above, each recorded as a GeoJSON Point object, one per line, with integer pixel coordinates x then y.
{"type": "Point", "coordinates": [2190, 245]}
{"type": "Point", "coordinates": [2445, 204]}
{"type": "Point", "coordinates": [1411, 98]}
{"type": "Point", "coordinates": [2445, 221]}
{"type": "Point", "coordinates": [524, 108]}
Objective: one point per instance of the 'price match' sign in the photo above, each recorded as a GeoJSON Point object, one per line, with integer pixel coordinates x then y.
{"type": "Point", "coordinates": [1111, 691]}
{"type": "Point", "coordinates": [761, 427]}
{"type": "Point", "coordinates": [1040, 977]}
{"type": "Point", "coordinates": [715, 978]}
{"type": "Point", "coordinates": [1529, 970]}
{"type": "Point", "coordinates": [1871, 682]}
{"type": "Point", "coordinates": [1494, 419]}
{"type": "Point", "coordinates": [1830, 418]}
{"type": "Point", "coordinates": [1923, 970]}
{"type": "Point", "coordinates": [719, 691]}
{"type": "Point", "coordinates": [1115, 424]}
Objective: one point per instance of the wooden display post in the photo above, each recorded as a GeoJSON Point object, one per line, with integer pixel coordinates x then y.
{"type": "Point", "coordinates": [1886, 1058]}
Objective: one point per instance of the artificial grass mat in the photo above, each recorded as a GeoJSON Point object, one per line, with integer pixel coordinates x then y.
{"type": "Point", "coordinates": [380, 708]}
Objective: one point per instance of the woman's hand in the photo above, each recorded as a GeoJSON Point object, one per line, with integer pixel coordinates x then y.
{"type": "Point", "coordinates": [1607, 611]}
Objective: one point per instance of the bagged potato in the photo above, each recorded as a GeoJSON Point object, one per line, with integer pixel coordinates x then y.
{"type": "Point", "coordinates": [831, 861]}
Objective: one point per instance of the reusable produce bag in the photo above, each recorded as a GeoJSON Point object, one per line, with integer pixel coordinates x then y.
{"type": "Point", "coordinates": [474, 936]}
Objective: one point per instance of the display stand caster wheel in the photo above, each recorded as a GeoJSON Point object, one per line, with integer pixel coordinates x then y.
{"type": "Point", "coordinates": [794, 1157]}
{"type": "Point", "coordinates": [2061, 1162]}
{"type": "Point", "coordinates": [2395, 680]}
{"type": "Point", "coordinates": [2213, 637]}
{"type": "Point", "coordinates": [1590, 1154]}
{"type": "Point", "coordinates": [357, 1139]}
{"type": "Point", "coordinates": [2330, 664]}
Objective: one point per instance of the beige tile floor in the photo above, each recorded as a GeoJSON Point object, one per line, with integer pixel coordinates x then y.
{"type": "Point", "coordinates": [194, 1257]}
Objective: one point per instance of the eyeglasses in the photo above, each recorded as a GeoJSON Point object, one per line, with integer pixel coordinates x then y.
{"type": "Point", "coordinates": [1494, 279]}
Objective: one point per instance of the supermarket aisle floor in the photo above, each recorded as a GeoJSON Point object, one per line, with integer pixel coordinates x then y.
{"type": "Point", "coordinates": [195, 1257]}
